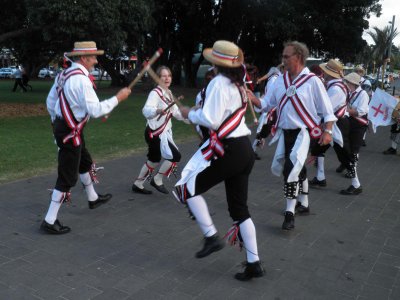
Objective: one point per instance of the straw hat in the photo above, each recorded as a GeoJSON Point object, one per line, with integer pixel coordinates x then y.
{"type": "Point", "coordinates": [333, 68]}
{"type": "Point", "coordinates": [85, 48]}
{"type": "Point", "coordinates": [353, 78]}
{"type": "Point", "coordinates": [224, 54]}
{"type": "Point", "coordinates": [359, 68]}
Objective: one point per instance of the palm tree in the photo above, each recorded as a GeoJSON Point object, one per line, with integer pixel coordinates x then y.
{"type": "Point", "coordinates": [382, 40]}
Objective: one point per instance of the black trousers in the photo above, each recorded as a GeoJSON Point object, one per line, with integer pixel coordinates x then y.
{"type": "Point", "coordinates": [343, 153]}
{"type": "Point", "coordinates": [356, 134]}
{"type": "Point", "coordinates": [71, 159]}
{"type": "Point", "coordinates": [18, 82]}
{"type": "Point", "coordinates": [154, 148]}
{"type": "Point", "coordinates": [234, 169]}
{"type": "Point", "coordinates": [290, 136]}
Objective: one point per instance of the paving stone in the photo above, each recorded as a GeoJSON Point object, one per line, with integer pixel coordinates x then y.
{"type": "Point", "coordinates": [142, 247]}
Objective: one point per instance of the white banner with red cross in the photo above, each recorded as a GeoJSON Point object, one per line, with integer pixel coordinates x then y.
{"type": "Point", "coordinates": [381, 108]}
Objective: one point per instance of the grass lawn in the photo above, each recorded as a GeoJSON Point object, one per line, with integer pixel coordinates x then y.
{"type": "Point", "coordinates": [27, 146]}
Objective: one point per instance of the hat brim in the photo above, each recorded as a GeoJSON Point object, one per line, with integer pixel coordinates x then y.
{"type": "Point", "coordinates": [84, 53]}
{"type": "Point", "coordinates": [329, 72]}
{"type": "Point", "coordinates": [207, 53]}
{"type": "Point", "coordinates": [352, 82]}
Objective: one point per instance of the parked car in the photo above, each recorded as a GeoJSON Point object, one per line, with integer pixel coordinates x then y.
{"type": "Point", "coordinates": [46, 73]}
{"type": "Point", "coordinates": [97, 73]}
{"type": "Point", "coordinates": [6, 72]}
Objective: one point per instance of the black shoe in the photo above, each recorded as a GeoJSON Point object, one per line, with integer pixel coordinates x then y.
{"type": "Point", "coordinates": [256, 156]}
{"type": "Point", "coordinates": [316, 182]}
{"type": "Point", "coordinates": [351, 190]}
{"type": "Point", "coordinates": [364, 144]}
{"type": "Point", "coordinates": [138, 190]}
{"type": "Point", "coordinates": [288, 223]}
{"type": "Point", "coordinates": [390, 151]}
{"type": "Point", "coordinates": [301, 209]}
{"type": "Point", "coordinates": [160, 188]}
{"type": "Point", "coordinates": [100, 201]}
{"type": "Point", "coordinates": [56, 228]}
{"type": "Point", "coordinates": [340, 169]}
{"type": "Point", "coordinates": [254, 269]}
{"type": "Point", "coordinates": [211, 244]}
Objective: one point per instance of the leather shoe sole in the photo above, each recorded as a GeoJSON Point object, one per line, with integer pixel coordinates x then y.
{"type": "Point", "coordinates": [102, 199]}
{"type": "Point", "coordinates": [138, 190]}
{"type": "Point", "coordinates": [351, 191]}
{"type": "Point", "coordinates": [160, 188]}
{"type": "Point", "coordinates": [56, 228]}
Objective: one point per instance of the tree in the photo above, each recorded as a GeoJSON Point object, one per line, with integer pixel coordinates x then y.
{"type": "Point", "coordinates": [116, 26]}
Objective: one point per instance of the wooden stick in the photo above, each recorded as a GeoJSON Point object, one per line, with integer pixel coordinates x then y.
{"type": "Point", "coordinates": [250, 104]}
{"type": "Point", "coordinates": [145, 68]}
{"type": "Point", "coordinates": [143, 71]}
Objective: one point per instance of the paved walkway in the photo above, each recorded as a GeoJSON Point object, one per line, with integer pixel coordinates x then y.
{"type": "Point", "coordinates": [142, 247]}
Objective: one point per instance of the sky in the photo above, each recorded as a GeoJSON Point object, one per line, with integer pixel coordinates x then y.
{"type": "Point", "coordinates": [389, 8]}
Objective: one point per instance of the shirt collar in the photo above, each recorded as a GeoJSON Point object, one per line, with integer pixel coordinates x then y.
{"type": "Point", "coordinates": [334, 80]}
{"type": "Point", "coordinates": [76, 65]}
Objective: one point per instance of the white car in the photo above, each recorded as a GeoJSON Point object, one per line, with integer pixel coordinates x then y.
{"type": "Point", "coordinates": [97, 73]}
{"type": "Point", "coordinates": [6, 72]}
{"type": "Point", "coordinates": [46, 73]}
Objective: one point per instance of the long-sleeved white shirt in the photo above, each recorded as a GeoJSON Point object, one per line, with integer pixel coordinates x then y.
{"type": "Point", "coordinates": [313, 96]}
{"type": "Point", "coordinates": [361, 102]}
{"type": "Point", "coordinates": [336, 94]}
{"type": "Point", "coordinates": [222, 99]}
{"type": "Point", "coordinates": [153, 103]}
{"type": "Point", "coordinates": [81, 97]}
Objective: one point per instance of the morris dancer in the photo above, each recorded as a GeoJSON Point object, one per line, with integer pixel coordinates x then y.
{"type": "Point", "coordinates": [267, 119]}
{"type": "Point", "coordinates": [338, 94]}
{"type": "Point", "coordinates": [71, 102]}
{"type": "Point", "coordinates": [227, 156]}
{"type": "Point", "coordinates": [358, 110]}
{"type": "Point", "coordinates": [300, 98]}
{"type": "Point", "coordinates": [158, 136]}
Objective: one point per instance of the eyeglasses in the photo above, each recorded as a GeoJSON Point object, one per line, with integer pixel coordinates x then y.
{"type": "Point", "coordinates": [288, 56]}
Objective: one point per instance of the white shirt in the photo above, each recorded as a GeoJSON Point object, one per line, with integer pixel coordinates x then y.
{"type": "Point", "coordinates": [222, 99]}
{"type": "Point", "coordinates": [153, 103]}
{"type": "Point", "coordinates": [270, 82]}
{"type": "Point", "coordinates": [336, 94]}
{"type": "Point", "coordinates": [81, 97]}
{"type": "Point", "coordinates": [361, 102]}
{"type": "Point", "coordinates": [313, 96]}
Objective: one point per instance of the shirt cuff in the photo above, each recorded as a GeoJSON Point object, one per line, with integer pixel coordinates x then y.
{"type": "Point", "coordinates": [113, 101]}
{"type": "Point", "coordinates": [192, 117]}
{"type": "Point", "coordinates": [330, 118]}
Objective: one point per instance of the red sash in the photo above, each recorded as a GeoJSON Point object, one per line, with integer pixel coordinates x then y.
{"type": "Point", "coordinates": [215, 146]}
{"type": "Point", "coordinates": [159, 130]}
{"type": "Point", "coordinates": [339, 113]}
{"type": "Point", "coordinates": [315, 129]}
{"type": "Point", "coordinates": [364, 119]}
{"type": "Point", "coordinates": [75, 126]}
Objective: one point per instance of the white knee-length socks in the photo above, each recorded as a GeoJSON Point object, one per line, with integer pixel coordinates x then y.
{"type": "Point", "coordinates": [199, 209]}
{"type": "Point", "coordinates": [248, 233]}
{"type": "Point", "coordinates": [55, 204]}
{"type": "Point", "coordinates": [88, 185]}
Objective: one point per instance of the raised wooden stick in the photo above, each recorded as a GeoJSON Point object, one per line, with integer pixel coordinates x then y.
{"type": "Point", "coordinates": [146, 66]}
{"type": "Point", "coordinates": [143, 71]}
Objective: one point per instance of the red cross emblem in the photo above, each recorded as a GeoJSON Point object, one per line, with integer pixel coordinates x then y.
{"type": "Point", "coordinates": [377, 110]}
